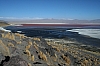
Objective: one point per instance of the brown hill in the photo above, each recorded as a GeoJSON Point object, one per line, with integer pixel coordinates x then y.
{"type": "Point", "coordinates": [3, 23]}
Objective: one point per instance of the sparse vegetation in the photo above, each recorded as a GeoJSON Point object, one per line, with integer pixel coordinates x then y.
{"type": "Point", "coordinates": [42, 56]}
{"type": "Point", "coordinates": [36, 47]}
{"type": "Point", "coordinates": [37, 39]}
{"type": "Point", "coordinates": [10, 45]}
{"type": "Point", "coordinates": [27, 47]}
{"type": "Point", "coordinates": [9, 36]}
{"type": "Point", "coordinates": [29, 64]}
{"type": "Point", "coordinates": [30, 42]}
{"type": "Point", "coordinates": [28, 52]}
{"type": "Point", "coordinates": [32, 58]}
{"type": "Point", "coordinates": [67, 59]}
{"type": "Point", "coordinates": [4, 49]}
{"type": "Point", "coordinates": [39, 52]}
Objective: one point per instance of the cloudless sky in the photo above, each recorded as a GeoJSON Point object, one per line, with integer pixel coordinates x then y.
{"type": "Point", "coordinates": [73, 9]}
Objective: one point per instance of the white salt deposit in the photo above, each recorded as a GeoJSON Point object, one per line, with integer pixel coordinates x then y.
{"type": "Point", "coordinates": [90, 32]}
{"type": "Point", "coordinates": [4, 29]}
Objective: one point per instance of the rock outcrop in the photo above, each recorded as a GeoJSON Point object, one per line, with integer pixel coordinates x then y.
{"type": "Point", "coordinates": [16, 61]}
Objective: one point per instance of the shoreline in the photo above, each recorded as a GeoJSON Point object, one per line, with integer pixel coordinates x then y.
{"type": "Point", "coordinates": [88, 32]}
{"type": "Point", "coordinates": [56, 33]}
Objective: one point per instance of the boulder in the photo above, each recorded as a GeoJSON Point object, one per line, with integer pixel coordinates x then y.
{"type": "Point", "coordinates": [16, 61]}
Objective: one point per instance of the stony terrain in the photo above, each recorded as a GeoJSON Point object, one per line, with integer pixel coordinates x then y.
{"type": "Point", "coordinates": [19, 50]}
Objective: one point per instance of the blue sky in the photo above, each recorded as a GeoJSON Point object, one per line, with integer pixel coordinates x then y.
{"type": "Point", "coordinates": [57, 9]}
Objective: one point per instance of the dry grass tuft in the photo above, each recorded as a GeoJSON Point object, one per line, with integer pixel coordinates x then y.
{"type": "Point", "coordinates": [17, 34]}
{"type": "Point", "coordinates": [56, 55]}
{"type": "Point", "coordinates": [37, 39]}
{"type": "Point", "coordinates": [12, 37]}
{"type": "Point", "coordinates": [19, 42]}
{"type": "Point", "coordinates": [28, 52]}
{"type": "Point", "coordinates": [10, 44]}
{"type": "Point", "coordinates": [42, 56]}
{"type": "Point", "coordinates": [57, 49]}
{"type": "Point", "coordinates": [30, 42]}
{"type": "Point", "coordinates": [67, 59]}
{"type": "Point", "coordinates": [29, 64]}
{"type": "Point", "coordinates": [34, 42]}
{"type": "Point", "coordinates": [36, 47]}
{"type": "Point", "coordinates": [32, 58]}
{"type": "Point", "coordinates": [65, 49]}
{"type": "Point", "coordinates": [27, 47]}
{"type": "Point", "coordinates": [85, 62]}
{"type": "Point", "coordinates": [2, 35]}
{"type": "Point", "coordinates": [23, 36]}
{"type": "Point", "coordinates": [20, 35]}
{"type": "Point", "coordinates": [4, 49]}
{"type": "Point", "coordinates": [9, 36]}
{"type": "Point", "coordinates": [54, 58]}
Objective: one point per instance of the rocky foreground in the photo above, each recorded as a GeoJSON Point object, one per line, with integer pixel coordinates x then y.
{"type": "Point", "coordinates": [19, 50]}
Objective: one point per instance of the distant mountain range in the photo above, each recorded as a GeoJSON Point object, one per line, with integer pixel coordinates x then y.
{"type": "Point", "coordinates": [75, 21]}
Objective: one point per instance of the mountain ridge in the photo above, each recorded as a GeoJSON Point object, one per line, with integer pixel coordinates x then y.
{"type": "Point", "coordinates": [75, 21]}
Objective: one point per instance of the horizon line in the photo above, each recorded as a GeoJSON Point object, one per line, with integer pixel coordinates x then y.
{"type": "Point", "coordinates": [38, 18]}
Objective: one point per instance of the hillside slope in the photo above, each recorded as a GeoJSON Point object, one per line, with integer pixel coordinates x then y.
{"type": "Point", "coordinates": [3, 23]}
{"type": "Point", "coordinates": [20, 50]}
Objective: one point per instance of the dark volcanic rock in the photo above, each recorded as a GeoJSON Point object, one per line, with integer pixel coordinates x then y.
{"type": "Point", "coordinates": [1, 57]}
{"type": "Point", "coordinates": [0, 35]}
{"type": "Point", "coordinates": [16, 61]}
{"type": "Point", "coordinates": [50, 50]}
